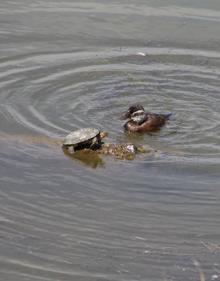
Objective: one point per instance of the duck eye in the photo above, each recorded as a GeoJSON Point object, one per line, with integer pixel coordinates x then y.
{"type": "Point", "coordinates": [134, 115]}
{"type": "Point", "coordinates": [138, 113]}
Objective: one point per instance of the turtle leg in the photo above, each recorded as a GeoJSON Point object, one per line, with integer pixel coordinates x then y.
{"type": "Point", "coordinates": [94, 143]}
{"type": "Point", "coordinates": [68, 148]}
{"type": "Point", "coordinates": [71, 149]}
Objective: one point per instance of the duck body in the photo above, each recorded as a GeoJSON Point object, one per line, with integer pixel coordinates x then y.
{"type": "Point", "coordinates": [140, 121]}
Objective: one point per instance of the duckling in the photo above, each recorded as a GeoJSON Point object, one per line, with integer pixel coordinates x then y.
{"type": "Point", "coordinates": [140, 121]}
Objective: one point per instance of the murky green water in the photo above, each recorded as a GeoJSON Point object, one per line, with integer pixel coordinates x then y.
{"type": "Point", "coordinates": [66, 65]}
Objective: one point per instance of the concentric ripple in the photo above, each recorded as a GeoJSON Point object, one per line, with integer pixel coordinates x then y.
{"type": "Point", "coordinates": [71, 64]}
{"type": "Point", "coordinates": [62, 67]}
{"type": "Point", "coordinates": [59, 92]}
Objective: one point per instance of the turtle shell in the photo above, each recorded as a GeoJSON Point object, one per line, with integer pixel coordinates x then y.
{"type": "Point", "coordinates": [80, 136]}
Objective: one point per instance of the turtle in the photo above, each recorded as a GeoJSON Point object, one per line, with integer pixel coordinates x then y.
{"type": "Point", "coordinates": [85, 138]}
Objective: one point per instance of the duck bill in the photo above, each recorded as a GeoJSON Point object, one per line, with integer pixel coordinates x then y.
{"type": "Point", "coordinates": [125, 115]}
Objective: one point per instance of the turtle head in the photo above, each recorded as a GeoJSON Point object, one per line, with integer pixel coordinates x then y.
{"type": "Point", "coordinates": [131, 110]}
{"type": "Point", "coordinates": [103, 134]}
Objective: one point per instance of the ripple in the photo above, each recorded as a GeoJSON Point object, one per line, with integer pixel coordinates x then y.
{"type": "Point", "coordinates": [61, 220]}
{"type": "Point", "coordinates": [52, 94]}
{"type": "Point", "coordinates": [170, 11]}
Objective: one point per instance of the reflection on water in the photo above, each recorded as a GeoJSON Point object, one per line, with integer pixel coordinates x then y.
{"type": "Point", "coordinates": [73, 64]}
{"type": "Point", "coordinates": [87, 157]}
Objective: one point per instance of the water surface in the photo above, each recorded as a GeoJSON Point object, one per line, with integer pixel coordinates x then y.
{"type": "Point", "coordinates": [69, 65]}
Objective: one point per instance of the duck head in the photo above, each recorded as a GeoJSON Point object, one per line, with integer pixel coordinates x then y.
{"type": "Point", "coordinates": [138, 116]}
{"type": "Point", "coordinates": [134, 111]}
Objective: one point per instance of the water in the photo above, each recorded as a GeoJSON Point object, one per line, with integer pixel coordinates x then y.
{"type": "Point", "coordinates": [66, 65]}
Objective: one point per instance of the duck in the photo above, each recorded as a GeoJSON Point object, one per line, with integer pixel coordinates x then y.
{"type": "Point", "coordinates": [140, 121]}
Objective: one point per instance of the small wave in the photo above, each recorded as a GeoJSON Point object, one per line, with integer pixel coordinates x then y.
{"type": "Point", "coordinates": [65, 91]}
